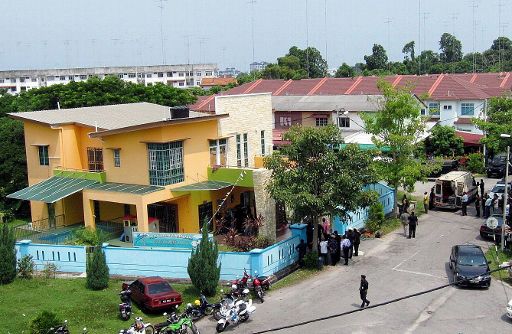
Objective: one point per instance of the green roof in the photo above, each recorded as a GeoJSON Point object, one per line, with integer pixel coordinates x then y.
{"type": "Point", "coordinates": [206, 185]}
{"type": "Point", "coordinates": [57, 187]}
{"type": "Point", "coordinates": [52, 189]}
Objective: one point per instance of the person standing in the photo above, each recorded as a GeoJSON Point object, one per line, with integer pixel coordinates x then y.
{"type": "Point", "coordinates": [363, 291]}
{"type": "Point", "coordinates": [333, 248]}
{"type": "Point", "coordinates": [350, 237]}
{"type": "Point", "coordinates": [404, 219]}
{"type": "Point", "coordinates": [482, 187]}
{"type": "Point", "coordinates": [425, 201]}
{"type": "Point", "coordinates": [326, 227]}
{"type": "Point", "coordinates": [323, 250]}
{"type": "Point", "coordinates": [413, 222]}
{"type": "Point", "coordinates": [477, 205]}
{"type": "Point", "coordinates": [301, 248]}
{"type": "Point", "coordinates": [494, 204]}
{"type": "Point", "coordinates": [345, 248]}
{"type": "Point", "coordinates": [357, 241]}
{"type": "Point", "coordinates": [483, 198]}
{"type": "Point", "coordinates": [465, 204]}
{"type": "Point", "coordinates": [337, 237]}
{"type": "Point", "coordinates": [488, 204]}
{"type": "Point", "coordinates": [432, 197]}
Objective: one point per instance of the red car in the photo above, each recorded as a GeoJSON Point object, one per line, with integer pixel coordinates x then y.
{"type": "Point", "coordinates": [153, 293]}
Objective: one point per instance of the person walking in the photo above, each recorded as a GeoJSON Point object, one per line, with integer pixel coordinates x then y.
{"type": "Point", "coordinates": [482, 187]}
{"type": "Point", "coordinates": [301, 248]}
{"type": "Point", "coordinates": [345, 248]}
{"type": "Point", "coordinates": [431, 198]}
{"type": "Point", "coordinates": [488, 204]}
{"type": "Point", "coordinates": [363, 291]}
{"type": "Point", "coordinates": [477, 205]}
{"type": "Point", "coordinates": [425, 201]}
{"type": "Point", "coordinates": [465, 204]}
{"type": "Point", "coordinates": [413, 222]}
{"type": "Point", "coordinates": [357, 241]}
{"type": "Point", "coordinates": [404, 219]}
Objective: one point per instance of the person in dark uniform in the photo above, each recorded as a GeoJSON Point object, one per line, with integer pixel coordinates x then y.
{"type": "Point", "coordinates": [482, 185]}
{"type": "Point", "coordinates": [350, 236]}
{"type": "Point", "coordinates": [363, 291]}
{"type": "Point", "coordinates": [431, 199]}
{"type": "Point", "coordinates": [357, 241]}
{"type": "Point", "coordinates": [413, 222]}
{"type": "Point", "coordinates": [301, 248]}
{"type": "Point", "coordinates": [477, 205]}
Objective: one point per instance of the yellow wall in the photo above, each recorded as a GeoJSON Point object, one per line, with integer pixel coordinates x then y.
{"type": "Point", "coordinates": [37, 134]}
{"type": "Point", "coordinates": [110, 211]}
{"type": "Point", "coordinates": [308, 118]}
{"type": "Point", "coordinates": [73, 209]}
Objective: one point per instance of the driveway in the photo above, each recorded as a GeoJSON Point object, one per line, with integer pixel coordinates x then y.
{"type": "Point", "coordinates": [395, 267]}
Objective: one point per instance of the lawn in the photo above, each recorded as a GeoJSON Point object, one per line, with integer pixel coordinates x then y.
{"type": "Point", "coordinates": [297, 276]}
{"type": "Point", "coordinates": [494, 263]}
{"type": "Point", "coordinates": [22, 300]}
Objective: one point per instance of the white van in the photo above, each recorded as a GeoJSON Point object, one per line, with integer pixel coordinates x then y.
{"type": "Point", "coordinates": [450, 188]}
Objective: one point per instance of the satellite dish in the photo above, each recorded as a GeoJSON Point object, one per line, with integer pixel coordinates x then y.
{"type": "Point", "coordinates": [491, 222]}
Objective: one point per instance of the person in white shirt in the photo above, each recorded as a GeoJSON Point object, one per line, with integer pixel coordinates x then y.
{"type": "Point", "coordinates": [323, 250]}
{"type": "Point", "coordinates": [465, 200]}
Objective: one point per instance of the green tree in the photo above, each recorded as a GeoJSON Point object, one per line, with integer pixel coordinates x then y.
{"type": "Point", "coordinates": [7, 255]}
{"type": "Point", "coordinates": [97, 270]}
{"type": "Point", "coordinates": [396, 126]}
{"type": "Point", "coordinates": [313, 178]}
{"type": "Point", "coordinates": [499, 120]}
{"type": "Point", "coordinates": [408, 51]}
{"type": "Point", "coordinates": [443, 141]}
{"type": "Point", "coordinates": [378, 59]}
{"type": "Point", "coordinates": [427, 60]}
{"type": "Point", "coordinates": [311, 61]}
{"type": "Point", "coordinates": [345, 71]}
{"type": "Point", "coordinates": [202, 266]}
{"type": "Point", "coordinates": [451, 48]}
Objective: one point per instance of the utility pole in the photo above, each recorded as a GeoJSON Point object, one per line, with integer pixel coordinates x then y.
{"type": "Point", "coordinates": [500, 6]}
{"type": "Point", "coordinates": [474, 6]}
{"type": "Point", "coordinates": [388, 21]}
{"type": "Point", "coordinates": [161, 6]}
{"type": "Point", "coordinates": [325, 27]}
{"type": "Point", "coordinates": [307, 39]}
{"type": "Point", "coordinates": [252, 2]}
{"type": "Point", "coordinates": [419, 37]}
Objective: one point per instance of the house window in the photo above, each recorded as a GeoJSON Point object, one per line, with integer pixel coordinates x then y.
{"type": "Point", "coordinates": [321, 121]}
{"type": "Point", "coordinates": [285, 121]}
{"type": "Point", "coordinates": [50, 78]}
{"type": "Point", "coordinates": [1, 80]}
{"type": "Point", "coordinates": [262, 142]}
{"type": "Point", "coordinates": [149, 75]}
{"type": "Point", "coordinates": [198, 74]}
{"type": "Point", "coordinates": [34, 80]}
{"type": "Point", "coordinates": [208, 73]}
{"type": "Point", "coordinates": [44, 160]}
{"type": "Point", "coordinates": [181, 74]}
{"type": "Point", "coordinates": [62, 77]}
{"type": "Point", "coordinates": [218, 152]}
{"type": "Point", "coordinates": [433, 107]}
{"type": "Point", "coordinates": [83, 77]}
{"type": "Point", "coordinates": [166, 163]}
{"type": "Point", "coordinates": [467, 109]}
{"type": "Point", "coordinates": [446, 107]}
{"type": "Point", "coordinates": [169, 74]}
{"type": "Point", "coordinates": [95, 159]}
{"type": "Point", "coordinates": [344, 122]}
{"type": "Point", "coordinates": [22, 79]}
{"type": "Point", "coordinates": [120, 76]}
{"type": "Point", "coordinates": [70, 77]}
{"type": "Point", "coordinates": [181, 84]}
{"type": "Point", "coordinates": [160, 74]}
{"type": "Point", "coordinates": [238, 151]}
{"type": "Point", "coordinates": [117, 157]}
{"type": "Point", "coordinates": [131, 75]}
{"type": "Point", "coordinates": [246, 151]}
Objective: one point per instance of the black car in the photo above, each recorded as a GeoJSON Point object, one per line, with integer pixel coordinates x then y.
{"type": "Point", "coordinates": [469, 266]}
{"type": "Point", "coordinates": [488, 233]}
{"type": "Point", "coordinates": [496, 166]}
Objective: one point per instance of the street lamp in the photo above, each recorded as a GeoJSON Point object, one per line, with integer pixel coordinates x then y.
{"type": "Point", "coordinates": [505, 195]}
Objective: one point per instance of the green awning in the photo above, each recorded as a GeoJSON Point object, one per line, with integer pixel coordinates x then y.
{"type": "Point", "coordinates": [52, 190]}
{"type": "Point", "coordinates": [206, 185]}
{"type": "Point", "coordinates": [125, 188]}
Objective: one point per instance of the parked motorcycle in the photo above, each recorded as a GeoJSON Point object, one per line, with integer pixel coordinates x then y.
{"type": "Point", "coordinates": [201, 308]}
{"type": "Point", "coordinates": [240, 311]}
{"type": "Point", "coordinates": [125, 307]}
{"type": "Point", "coordinates": [139, 327]}
{"type": "Point", "coordinates": [259, 284]}
{"type": "Point", "coordinates": [62, 329]}
{"type": "Point", "coordinates": [177, 325]}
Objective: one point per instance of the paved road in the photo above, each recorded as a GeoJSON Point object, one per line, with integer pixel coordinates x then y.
{"type": "Point", "coordinates": [395, 267]}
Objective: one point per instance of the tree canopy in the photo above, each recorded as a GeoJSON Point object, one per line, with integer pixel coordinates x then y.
{"type": "Point", "coordinates": [451, 48]}
{"type": "Point", "coordinates": [297, 64]}
{"type": "Point", "coordinates": [313, 178]}
{"type": "Point", "coordinates": [378, 59]}
{"type": "Point", "coordinates": [499, 120]}
{"type": "Point", "coordinates": [444, 142]}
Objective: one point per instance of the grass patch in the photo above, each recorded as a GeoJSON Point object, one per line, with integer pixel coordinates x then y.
{"type": "Point", "coordinates": [22, 300]}
{"type": "Point", "coordinates": [297, 276]}
{"type": "Point", "coordinates": [17, 222]}
{"type": "Point", "coordinates": [389, 226]}
{"type": "Point", "coordinates": [493, 263]}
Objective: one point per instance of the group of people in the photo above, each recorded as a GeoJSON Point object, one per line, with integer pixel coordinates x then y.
{"type": "Point", "coordinates": [333, 247]}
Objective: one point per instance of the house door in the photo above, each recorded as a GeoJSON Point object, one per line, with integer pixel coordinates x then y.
{"type": "Point", "coordinates": [96, 211]}
{"type": "Point", "coordinates": [167, 215]}
{"type": "Point", "coordinates": [51, 215]}
{"type": "Point", "coordinates": [205, 214]}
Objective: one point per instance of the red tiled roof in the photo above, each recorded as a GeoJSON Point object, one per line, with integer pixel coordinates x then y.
{"type": "Point", "coordinates": [463, 120]}
{"type": "Point", "coordinates": [469, 137]}
{"type": "Point", "coordinates": [217, 81]}
{"type": "Point", "coordinates": [335, 86]}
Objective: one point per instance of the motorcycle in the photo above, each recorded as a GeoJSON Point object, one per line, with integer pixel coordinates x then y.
{"type": "Point", "coordinates": [177, 325]}
{"type": "Point", "coordinates": [240, 311]}
{"type": "Point", "coordinates": [139, 327]}
{"type": "Point", "coordinates": [125, 307]}
{"type": "Point", "coordinates": [200, 308]}
{"type": "Point", "coordinates": [62, 329]}
{"type": "Point", "coordinates": [259, 284]}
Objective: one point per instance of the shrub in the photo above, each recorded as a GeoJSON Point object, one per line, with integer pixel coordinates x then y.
{"type": "Point", "coordinates": [43, 322]}
{"type": "Point", "coordinates": [87, 236]}
{"type": "Point", "coordinates": [202, 266]}
{"type": "Point", "coordinates": [49, 270]}
{"type": "Point", "coordinates": [475, 163]}
{"type": "Point", "coordinates": [97, 270]}
{"type": "Point", "coordinates": [7, 255]}
{"type": "Point", "coordinates": [375, 217]}
{"type": "Point", "coordinates": [311, 260]}
{"type": "Point", "coordinates": [26, 267]}
{"type": "Point", "coordinates": [263, 241]}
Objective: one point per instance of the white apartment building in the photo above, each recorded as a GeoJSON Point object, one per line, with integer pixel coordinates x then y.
{"type": "Point", "coordinates": [180, 76]}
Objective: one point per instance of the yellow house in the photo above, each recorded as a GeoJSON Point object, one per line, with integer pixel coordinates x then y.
{"type": "Point", "coordinates": [165, 169]}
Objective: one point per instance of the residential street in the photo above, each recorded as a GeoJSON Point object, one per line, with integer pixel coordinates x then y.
{"type": "Point", "coordinates": [395, 267]}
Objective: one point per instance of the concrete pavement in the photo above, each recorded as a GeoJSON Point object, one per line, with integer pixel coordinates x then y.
{"type": "Point", "coordinates": [395, 267]}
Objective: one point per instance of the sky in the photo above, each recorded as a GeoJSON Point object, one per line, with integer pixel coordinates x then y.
{"type": "Point", "coordinates": [37, 34]}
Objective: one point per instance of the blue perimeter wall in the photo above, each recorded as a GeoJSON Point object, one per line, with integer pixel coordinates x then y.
{"type": "Point", "coordinates": [358, 219]}
{"type": "Point", "coordinates": [172, 263]}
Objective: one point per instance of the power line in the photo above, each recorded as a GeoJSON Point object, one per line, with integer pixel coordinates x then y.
{"type": "Point", "coordinates": [374, 306]}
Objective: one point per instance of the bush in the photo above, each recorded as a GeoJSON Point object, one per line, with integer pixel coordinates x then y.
{"type": "Point", "coordinates": [87, 236]}
{"type": "Point", "coordinates": [97, 270]}
{"type": "Point", "coordinates": [43, 322]}
{"type": "Point", "coordinates": [49, 270]}
{"type": "Point", "coordinates": [202, 265]}
{"type": "Point", "coordinates": [26, 267]}
{"type": "Point", "coordinates": [7, 255]}
{"type": "Point", "coordinates": [375, 217]}
{"type": "Point", "coordinates": [311, 260]}
{"type": "Point", "coordinates": [263, 241]}
{"type": "Point", "coordinates": [475, 163]}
